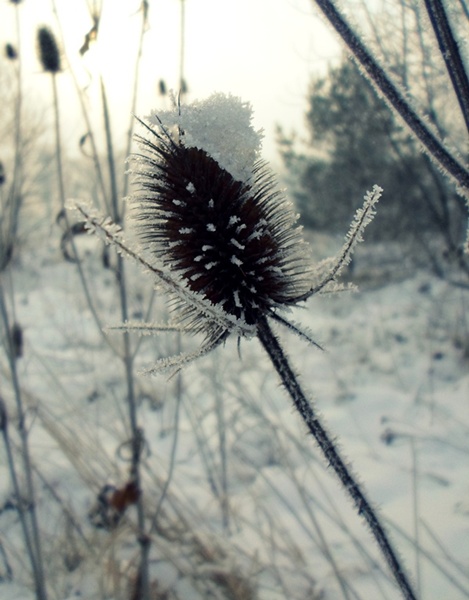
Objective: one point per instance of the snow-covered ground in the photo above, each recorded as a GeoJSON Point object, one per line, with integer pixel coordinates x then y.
{"type": "Point", "coordinates": [250, 511]}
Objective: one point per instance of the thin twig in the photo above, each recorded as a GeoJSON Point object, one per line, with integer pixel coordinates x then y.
{"type": "Point", "coordinates": [133, 106]}
{"type": "Point", "coordinates": [450, 52]}
{"type": "Point", "coordinates": [127, 358]}
{"type": "Point", "coordinates": [172, 460]}
{"type": "Point", "coordinates": [34, 539]}
{"type": "Point", "coordinates": [61, 183]}
{"type": "Point", "coordinates": [20, 504]}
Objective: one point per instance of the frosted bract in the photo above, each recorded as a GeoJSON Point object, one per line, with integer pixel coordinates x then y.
{"type": "Point", "coordinates": [220, 125]}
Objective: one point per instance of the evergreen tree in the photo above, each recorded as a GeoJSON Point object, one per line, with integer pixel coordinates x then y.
{"type": "Point", "coordinates": [354, 142]}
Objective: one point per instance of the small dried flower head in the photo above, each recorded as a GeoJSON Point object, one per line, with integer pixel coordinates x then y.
{"type": "Point", "coordinates": [184, 88]}
{"type": "Point", "coordinates": [210, 211]}
{"type": "Point", "coordinates": [3, 415]}
{"type": "Point", "coordinates": [162, 87]}
{"type": "Point", "coordinates": [16, 337]}
{"type": "Point", "coordinates": [48, 50]}
{"type": "Point", "coordinates": [10, 52]}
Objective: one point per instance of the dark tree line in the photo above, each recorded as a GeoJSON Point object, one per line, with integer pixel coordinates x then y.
{"type": "Point", "coordinates": [355, 141]}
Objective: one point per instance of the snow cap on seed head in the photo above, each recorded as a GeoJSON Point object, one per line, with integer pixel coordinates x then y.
{"type": "Point", "coordinates": [222, 126]}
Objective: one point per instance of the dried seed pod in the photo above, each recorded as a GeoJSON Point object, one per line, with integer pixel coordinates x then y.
{"type": "Point", "coordinates": [184, 87]}
{"type": "Point", "coordinates": [10, 52]}
{"type": "Point", "coordinates": [16, 337]}
{"type": "Point", "coordinates": [3, 415]}
{"type": "Point", "coordinates": [162, 87]}
{"type": "Point", "coordinates": [48, 50]}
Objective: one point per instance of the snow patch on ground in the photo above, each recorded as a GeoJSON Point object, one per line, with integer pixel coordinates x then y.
{"type": "Point", "coordinates": [248, 483]}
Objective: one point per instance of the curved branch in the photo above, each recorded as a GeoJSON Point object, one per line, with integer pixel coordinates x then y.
{"type": "Point", "coordinates": [450, 52]}
{"type": "Point", "coordinates": [383, 83]}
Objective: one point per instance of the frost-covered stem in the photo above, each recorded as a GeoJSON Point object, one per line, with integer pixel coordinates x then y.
{"type": "Point", "coordinates": [381, 81]}
{"type": "Point", "coordinates": [450, 52]}
{"type": "Point", "coordinates": [172, 459]}
{"type": "Point", "coordinates": [15, 194]}
{"type": "Point", "coordinates": [134, 94]}
{"type": "Point", "coordinates": [221, 430]}
{"type": "Point", "coordinates": [137, 443]}
{"type": "Point", "coordinates": [58, 143]}
{"type": "Point", "coordinates": [182, 48]}
{"type": "Point", "coordinates": [34, 541]}
{"type": "Point", "coordinates": [415, 503]}
{"type": "Point", "coordinates": [16, 488]}
{"type": "Point", "coordinates": [329, 449]}
{"type": "Point", "coordinates": [110, 155]}
{"type": "Point", "coordinates": [85, 113]}
{"type": "Point", "coordinates": [136, 432]}
{"type": "Point", "coordinates": [61, 182]}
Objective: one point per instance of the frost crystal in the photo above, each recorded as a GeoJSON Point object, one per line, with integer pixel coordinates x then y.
{"type": "Point", "coordinates": [220, 125]}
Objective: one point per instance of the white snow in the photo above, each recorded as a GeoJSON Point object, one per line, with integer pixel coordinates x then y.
{"type": "Point", "coordinates": [222, 126]}
{"type": "Point", "coordinates": [393, 386]}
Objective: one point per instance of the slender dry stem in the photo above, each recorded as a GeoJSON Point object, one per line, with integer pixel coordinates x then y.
{"type": "Point", "coordinates": [27, 505]}
{"type": "Point", "coordinates": [330, 452]}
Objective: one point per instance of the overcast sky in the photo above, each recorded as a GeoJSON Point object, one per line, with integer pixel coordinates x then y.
{"type": "Point", "coordinates": [262, 50]}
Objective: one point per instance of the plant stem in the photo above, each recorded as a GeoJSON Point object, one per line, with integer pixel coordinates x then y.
{"type": "Point", "coordinates": [17, 490]}
{"type": "Point", "coordinates": [61, 183]}
{"type": "Point", "coordinates": [418, 581]}
{"type": "Point", "coordinates": [133, 106]}
{"type": "Point", "coordinates": [127, 358]}
{"type": "Point", "coordinates": [33, 541]}
{"type": "Point", "coordinates": [16, 191]}
{"type": "Point", "coordinates": [329, 449]}
{"type": "Point", "coordinates": [450, 52]}
{"type": "Point", "coordinates": [84, 109]}
{"type": "Point", "coordinates": [395, 99]}
{"type": "Point", "coordinates": [182, 40]}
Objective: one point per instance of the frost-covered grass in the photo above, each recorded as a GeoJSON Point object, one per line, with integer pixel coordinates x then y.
{"type": "Point", "coordinates": [250, 510]}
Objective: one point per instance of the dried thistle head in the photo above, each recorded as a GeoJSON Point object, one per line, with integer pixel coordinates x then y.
{"type": "Point", "coordinates": [48, 50]}
{"type": "Point", "coordinates": [209, 210]}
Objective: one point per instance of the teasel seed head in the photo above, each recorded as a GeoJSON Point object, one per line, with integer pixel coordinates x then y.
{"type": "Point", "coordinates": [16, 340]}
{"type": "Point", "coordinates": [209, 210]}
{"type": "Point", "coordinates": [10, 52]}
{"type": "Point", "coordinates": [162, 87]}
{"type": "Point", "coordinates": [3, 415]}
{"type": "Point", "coordinates": [48, 50]}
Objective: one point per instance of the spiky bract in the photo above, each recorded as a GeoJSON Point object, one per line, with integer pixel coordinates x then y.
{"type": "Point", "coordinates": [234, 242]}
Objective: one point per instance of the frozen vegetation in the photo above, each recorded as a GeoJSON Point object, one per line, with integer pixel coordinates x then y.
{"type": "Point", "coordinates": [249, 496]}
{"type": "Point", "coordinates": [124, 476]}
